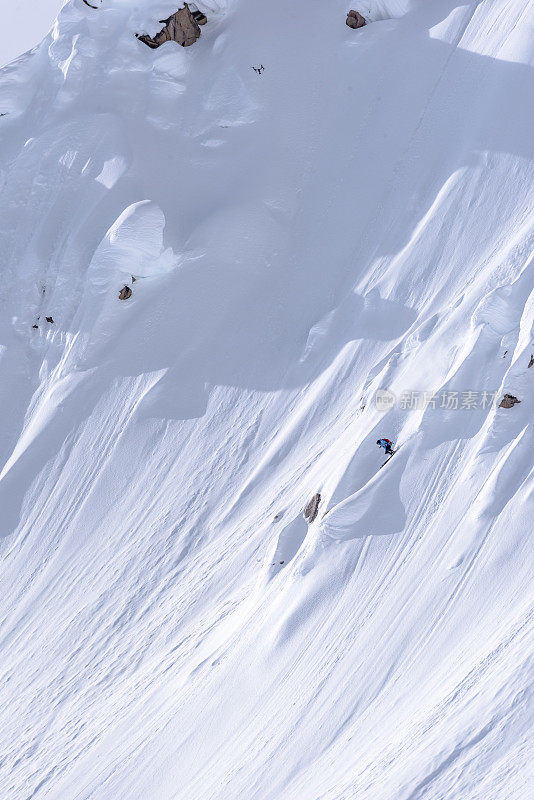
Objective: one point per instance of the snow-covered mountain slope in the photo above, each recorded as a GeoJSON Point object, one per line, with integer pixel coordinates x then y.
{"type": "Point", "coordinates": [357, 217]}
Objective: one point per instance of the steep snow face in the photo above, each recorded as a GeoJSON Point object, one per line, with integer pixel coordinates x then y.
{"type": "Point", "coordinates": [354, 219]}
{"type": "Point", "coordinates": [374, 10]}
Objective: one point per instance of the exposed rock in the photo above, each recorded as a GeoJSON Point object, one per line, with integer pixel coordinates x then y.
{"type": "Point", "coordinates": [35, 326]}
{"type": "Point", "coordinates": [310, 512]}
{"type": "Point", "coordinates": [531, 362]}
{"type": "Point", "coordinates": [49, 319]}
{"type": "Point", "coordinates": [198, 16]}
{"type": "Point", "coordinates": [508, 401]}
{"type": "Point", "coordinates": [355, 19]}
{"type": "Point", "coordinates": [180, 27]}
{"type": "Point", "coordinates": [125, 293]}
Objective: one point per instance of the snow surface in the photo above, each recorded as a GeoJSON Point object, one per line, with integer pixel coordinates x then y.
{"type": "Point", "coordinates": [357, 217]}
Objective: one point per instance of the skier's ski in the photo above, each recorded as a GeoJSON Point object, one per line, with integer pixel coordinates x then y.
{"type": "Point", "coordinates": [389, 459]}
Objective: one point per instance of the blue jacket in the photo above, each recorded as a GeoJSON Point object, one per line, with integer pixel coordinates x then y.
{"type": "Point", "coordinates": [384, 443]}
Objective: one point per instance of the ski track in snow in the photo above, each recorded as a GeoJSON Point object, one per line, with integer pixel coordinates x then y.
{"type": "Point", "coordinates": [356, 217]}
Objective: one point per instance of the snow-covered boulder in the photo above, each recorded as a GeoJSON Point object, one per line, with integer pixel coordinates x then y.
{"type": "Point", "coordinates": [355, 19]}
{"type": "Point", "coordinates": [311, 510]}
{"type": "Point", "coordinates": [509, 401]}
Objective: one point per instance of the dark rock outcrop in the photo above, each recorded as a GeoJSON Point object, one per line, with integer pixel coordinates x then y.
{"type": "Point", "coordinates": [508, 401]}
{"type": "Point", "coordinates": [531, 362]}
{"type": "Point", "coordinates": [198, 16]}
{"type": "Point", "coordinates": [125, 293]}
{"type": "Point", "coordinates": [180, 27]}
{"type": "Point", "coordinates": [355, 19]}
{"type": "Point", "coordinates": [310, 512]}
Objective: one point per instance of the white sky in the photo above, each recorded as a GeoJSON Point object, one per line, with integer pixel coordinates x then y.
{"type": "Point", "coordinates": [24, 23]}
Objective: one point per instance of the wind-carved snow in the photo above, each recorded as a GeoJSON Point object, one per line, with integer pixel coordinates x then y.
{"type": "Point", "coordinates": [354, 219]}
{"type": "Point", "coordinates": [133, 245]}
{"type": "Point", "coordinates": [111, 172]}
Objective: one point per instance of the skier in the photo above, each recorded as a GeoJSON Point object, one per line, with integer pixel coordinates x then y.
{"type": "Point", "coordinates": [387, 445]}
